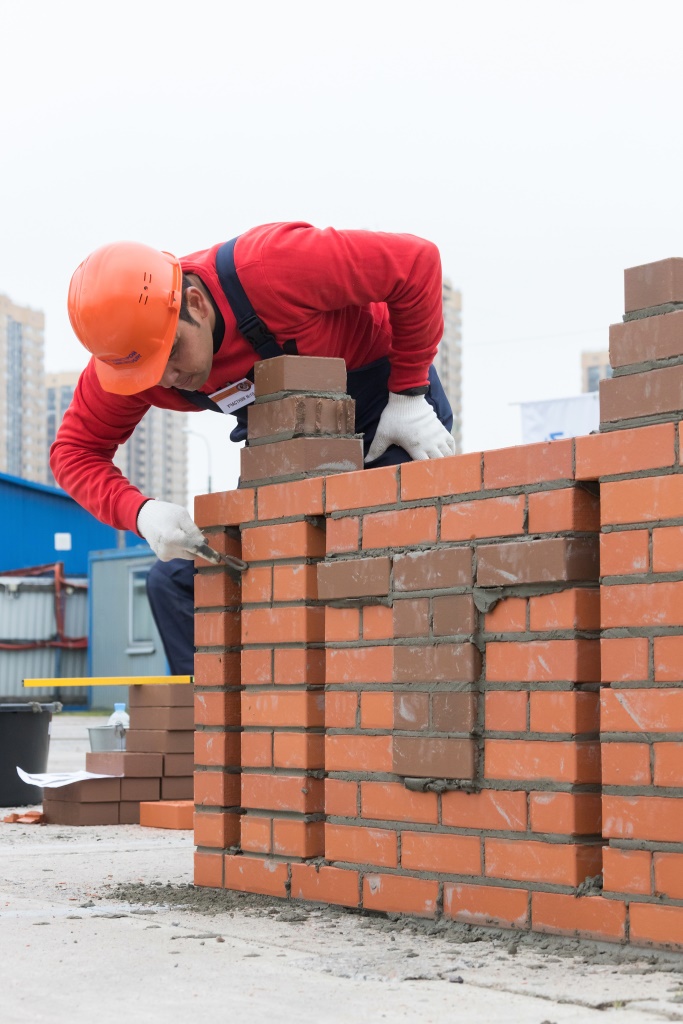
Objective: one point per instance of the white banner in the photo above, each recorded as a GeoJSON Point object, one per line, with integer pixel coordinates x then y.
{"type": "Point", "coordinates": [560, 417]}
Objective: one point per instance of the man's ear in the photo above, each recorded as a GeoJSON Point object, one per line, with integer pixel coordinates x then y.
{"type": "Point", "coordinates": [197, 302]}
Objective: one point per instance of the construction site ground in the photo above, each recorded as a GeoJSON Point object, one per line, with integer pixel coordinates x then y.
{"type": "Point", "coordinates": [103, 924]}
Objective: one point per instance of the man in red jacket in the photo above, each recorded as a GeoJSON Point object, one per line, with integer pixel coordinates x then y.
{"type": "Point", "coordinates": [172, 333]}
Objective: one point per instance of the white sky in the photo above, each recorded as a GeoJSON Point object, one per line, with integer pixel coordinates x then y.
{"type": "Point", "coordinates": [537, 142]}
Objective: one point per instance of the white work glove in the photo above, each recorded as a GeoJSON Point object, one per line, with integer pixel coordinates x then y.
{"type": "Point", "coordinates": [410, 421]}
{"type": "Point", "coordinates": [169, 530]}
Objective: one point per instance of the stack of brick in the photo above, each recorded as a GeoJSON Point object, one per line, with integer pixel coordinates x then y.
{"type": "Point", "coordinates": [639, 466]}
{"type": "Point", "coordinates": [301, 422]}
{"type": "Point", "coordinates": [498, 640]}
{"type": "Point", "coordinates": [156, 765]}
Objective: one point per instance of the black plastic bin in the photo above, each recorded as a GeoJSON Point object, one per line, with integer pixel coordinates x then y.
{"type": "Point", "coordinates": [24, 741]}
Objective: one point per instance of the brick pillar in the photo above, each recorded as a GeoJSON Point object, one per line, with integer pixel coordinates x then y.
{"type": "Point", "coordinates": [300, 426]}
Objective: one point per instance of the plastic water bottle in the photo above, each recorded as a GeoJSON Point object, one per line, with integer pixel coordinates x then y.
{"type": "Point", "coordinates": [120, 716]}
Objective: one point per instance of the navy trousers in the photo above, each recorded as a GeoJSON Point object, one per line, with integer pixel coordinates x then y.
{"type": "Point", "coordinates": [170, 585]}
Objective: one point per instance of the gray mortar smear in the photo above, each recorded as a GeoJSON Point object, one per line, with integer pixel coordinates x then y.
{"type": "Point", "coordinates": [211, 902]}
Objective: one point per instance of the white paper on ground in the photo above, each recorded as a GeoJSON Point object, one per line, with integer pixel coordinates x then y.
{"type": "Point", "coordinates": [53, 780]}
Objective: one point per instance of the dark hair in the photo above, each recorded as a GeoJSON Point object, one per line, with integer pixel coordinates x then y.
{"type": "Point", "coordinates": [184, 311]}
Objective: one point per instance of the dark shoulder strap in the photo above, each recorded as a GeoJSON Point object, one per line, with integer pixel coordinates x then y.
{"type": "Point", "coordinates": [248, 323]}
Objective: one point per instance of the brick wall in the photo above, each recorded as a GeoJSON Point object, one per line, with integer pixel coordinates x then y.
{"type": "Point", "coordinates": [454, 687]}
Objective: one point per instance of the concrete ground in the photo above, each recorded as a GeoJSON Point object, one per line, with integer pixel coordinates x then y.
{"type": "Point", "coordinates": [122, 934]}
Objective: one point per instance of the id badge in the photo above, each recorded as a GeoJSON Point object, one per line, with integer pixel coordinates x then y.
{"type": "Point", "coordinates": [234, 396]}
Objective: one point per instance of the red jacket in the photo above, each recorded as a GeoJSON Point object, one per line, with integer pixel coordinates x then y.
{"type": "Point", "coordinates": [358, 295]}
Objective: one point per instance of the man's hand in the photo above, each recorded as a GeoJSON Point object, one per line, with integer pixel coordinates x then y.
{"type": "Point", "coordinates": [410, 421]}
{"type": "Point", "coordinates": [169, 530]}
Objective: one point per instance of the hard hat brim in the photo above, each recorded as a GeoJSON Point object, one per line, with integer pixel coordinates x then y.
{"type": "Point", "coordinates": [141, 375]}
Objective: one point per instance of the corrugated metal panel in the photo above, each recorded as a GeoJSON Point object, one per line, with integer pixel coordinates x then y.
{"type": "Point", "coordinates": [111, 651]}
{"type": "Point", "coordinates": [27, 613]}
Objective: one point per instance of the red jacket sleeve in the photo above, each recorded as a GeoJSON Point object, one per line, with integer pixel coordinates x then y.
{"type": "Point", "coordinates": [310, 270]}
{"type": "Point", "coordinates": [94, 426]}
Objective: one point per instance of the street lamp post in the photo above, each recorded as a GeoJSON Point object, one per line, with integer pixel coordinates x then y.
{"type": "Point", "coordinates": [186, 430]}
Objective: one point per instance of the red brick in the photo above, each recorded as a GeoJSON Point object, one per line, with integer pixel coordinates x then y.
{"type": "Point", "coordinates": [569, 814]}
{"type": "Point", "coordinates": [255, 874]}
{"type": "Point", "coordinates": [257, 667]}
{"type": "Point", "coordinates": [175, 814]}
{"type": "Point", "coordinates": [441, 663]}
{"type": "Point", "coordinates": [642, 710]}
{"type": "Point", "coordinates": [391, 801]}
{"type": "Point", "coordinates": [303, 839]}
{"type": "Point", "coordinates": [486, 905]}
{"type": "Point", "coordinates": [216, 629]}
{"type": "Point", "coordinates": [647, 393]}
{"type": "Point", "coordinates": [325, 885]}
{"type": "Point", "coordinates": [570, 761]}
{"type": "Point", "coordinates": [301, 708]}
{"type": "Point", "coordinates": [624, 451]}
{"type": "Point", "coordinates": [668, 875]}
{"type": "Point", "coordinates": [433, 756]}
{"type": "Point", "coordinates": [624, 659]}
{"type": "Point", "coordinates": [354, 577]}
{"type": "Point", "coordinates": [403, 528]}
{"type": "Point", "coordinates": [304, 750]}
{"type": "Point", "coordinates": [433, 478]}
{"type": "Point", "coordinates": [342, 624]}
{"type": "Point", "coordinates": [668, 764]}
{"type": "Point", "coordinates": [529, 464]}
{"type": "Point", "coordinates": [573, 712]}
{"type": "Point", "coordinates": [643, 500]}
{"type": "Point", "coordinates": [533, 861]}
{"type": "Point", "coordinates": [568, 508]}
{"type": "Point", "coordinates": [576, 661]}
{"type": "Point", "coordinates": [296, 624]}
{"type": "Point", "coordinates": [624, 553]}
{"type": "Point", "coordinates": [645, 340]}
{"type": "Point", "coordinates": [544, 560]}
{"type": "Point", "coordinates": [216, 668]}
{"type": "Point", "coordinates": [295, 583]}
{"type": "Point", "coordinates": [294, 666]}
{"type": "Point", "coordinates": [358, 753]}
{"type": "Point", "coordinates": [217, 708]}
{"type": "Point", "coordinates": [659, 925]}
{"type": "Point", "coordinates": [411, 618]}
{"type": "Point", "coordinates": [506, 711]}
{"type": "Point", "coordinates": [433, 570]}
{"type": "Point", "coordinates": [411, 711]}
{"type": "Point", "coordinates": [576, 608]}
{"type": "Point", "coordinates": [360, 665]}
{"type": "Point", "coordinates": [220, 829]}
{"type": "Point", "coordinates": [256, 833]}
{"type": "Point", "coordinates": [376, 710]}
{"type": "Point", "coordinates": [301, 456]}
{"type": "Point", "coordinates": [447, 854]}
{"type": "Point", "coordinates": [155, 695]}
{"type": "Point", "coordinates": [398, 893]}
{"type": "Point", "coordinates": [667, 549]}
{"type": "Point", "coordinates": [284, 540]}
{"type": "Point", "coordinates": [208, 869]}
{"type": "Point", "coordinates": [257, 749]}
{"type": "Point", "coordinates": [215, 589]}
{"type": "Point", "coordinates": [625, 764]}
{"type": "Point", "coordinates": [453, 614]}
{"type": "Point", "coordinates": [341, 707]}
{"type": "Point", "coordinates": [341, 798]}
{"type": "Point", "coordinates": [298, 793]}
{"type": "Point", "coordinates": [377, 623]}
{"type": "Point", "coordinates": [626, 870]}
{"type": "Point", "coordinates": [485, 517]}
{"type": "Point", "coordinates": [217, 789]}
{"type": "Point", "coordinates": [362, 489]}
{"type": "Point", "coordinates": [225, 508]}
{"type": "Point", "coordinates": [653, 818]}
{"type": "Point", "coordinates": [295, 498]}
{"type": "Point", "coordinates": [257, 584]}
{"type": "Point", "coordinates": [342, 534]}
{"type": "Point", "coordinates": [490, 809]}
{"type": "Point", "coordinates": [216, 749]}
{"type": "Point", "coordinates": [587, 916]}
{"type": "Point", "coordinates": [508, 616]}
{"type": "Point", "coordinates": [361, 845]}
{"type": "Point", "coordinates": [653, 284]}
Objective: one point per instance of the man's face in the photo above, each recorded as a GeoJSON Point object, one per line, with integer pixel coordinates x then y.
{"type": "Point", "coordinates": [189, 363]}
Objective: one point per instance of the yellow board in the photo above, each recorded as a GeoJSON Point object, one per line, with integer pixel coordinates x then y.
{"type": "Point", "coordinates": [109, 681]}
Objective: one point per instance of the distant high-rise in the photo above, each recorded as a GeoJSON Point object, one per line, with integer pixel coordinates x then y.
{"type": "Point", "coordinates": [594, 368]}
{"type": "Point", "coordinates": [22, 398]}
{"type": "Point", "coordinates": [448, 360]}
{"type": "Point", "coordinates": [154, 458]}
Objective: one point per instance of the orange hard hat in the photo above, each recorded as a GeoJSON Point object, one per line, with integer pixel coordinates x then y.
{"type": "Point", "coordinates": [124, 304]}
